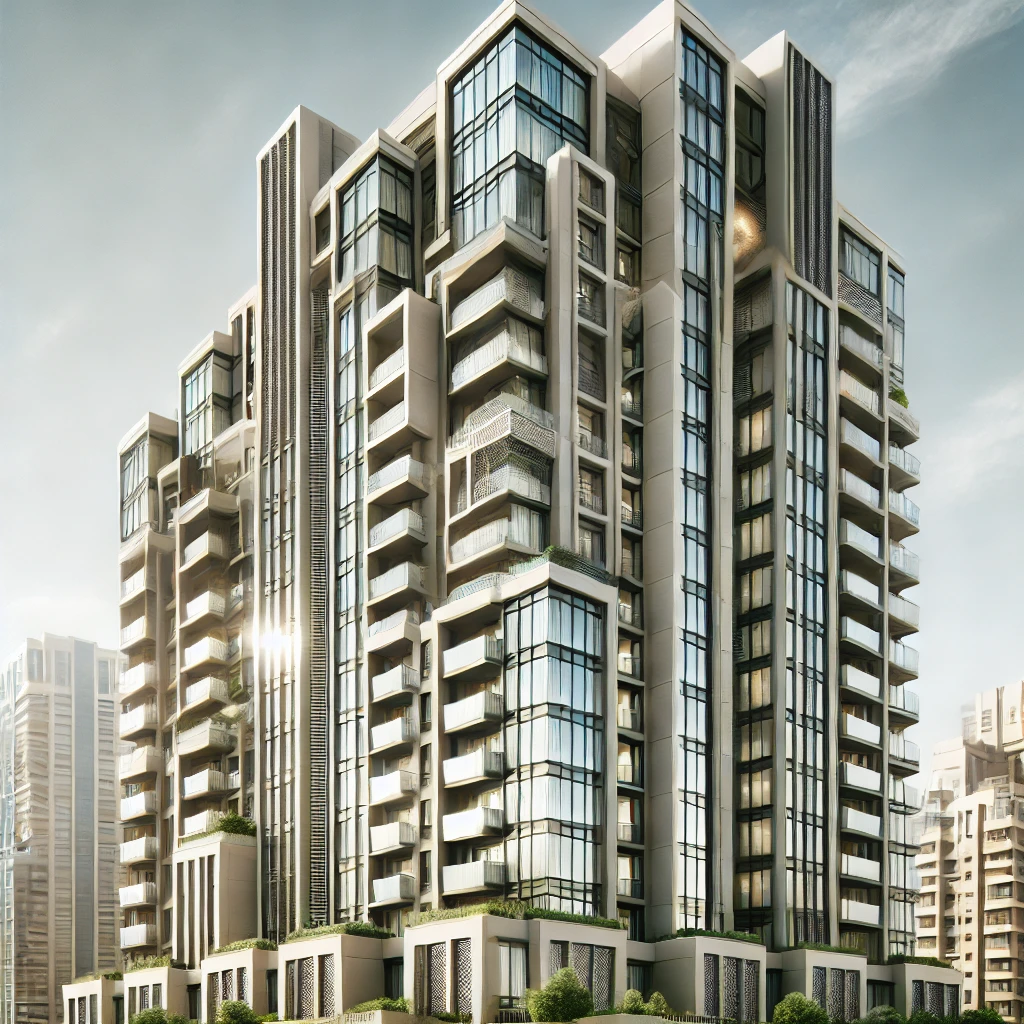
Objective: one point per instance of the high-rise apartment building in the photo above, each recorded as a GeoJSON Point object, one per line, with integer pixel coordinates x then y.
{"type": "Point", "coordinates": [578, 469]}
{"type": "Point", "coordinates": [971, 860]}
{"type": "Point", "coordinates": [58, 916]}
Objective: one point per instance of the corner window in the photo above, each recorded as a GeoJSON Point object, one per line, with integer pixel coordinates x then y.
{"type": "Point", "coordinates": [859, 262]}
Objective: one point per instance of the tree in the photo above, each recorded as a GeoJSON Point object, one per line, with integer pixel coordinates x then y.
{"type": "Point", "coordinates": [562, 999]}
{"type": "Point", "coordinates": [798, 1009]}
{"type": "Point", "coordinates": [235, 1011]}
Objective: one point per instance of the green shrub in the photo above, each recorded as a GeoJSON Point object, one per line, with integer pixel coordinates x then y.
{"type": "Point", "coordinates": [823, 947]}
{"type": "Point", "coordinates": [798, 1009]}
{"type": "Point", "coordinates": [657, 1006]}
{"type": "Point", "coordinates": [563, 998]}
{"type": "Point", "coordinates": [884, 1015]}
{"type": "Point", "coordinates": [232, 823]}
{"type": "Point", "coordinates": [984, 1015]}
{"type": "Point", "coordinates": [685, 933]}
{"type": "Point", "coordinates": [923, 1017]}
{"type": "Point", "coordinates": [233, 947]}
{"type": "Point", "coordinates": [899, 396]}
{"type": "Point", "coordinates": [363, 928]}
{"type": "Point", "coordinates": [452, 1018]}
{"type": "Point", "coordinates": [399, 1005]}
{"type": "Point", "coordinates": [515, 910]}
{"type": "Point", "coordinates": [632, 1002]}
{"type": "Point", "coordinates": [925, 961]}
{"type": "Point", "coordinates": [145, 963]}
{"type": "Point", "coordinates": [157, 1015]}
{"type": "Point", "coordinates": [234, 1011]}
{"type": "Point", "coordinates": [267, 1017]}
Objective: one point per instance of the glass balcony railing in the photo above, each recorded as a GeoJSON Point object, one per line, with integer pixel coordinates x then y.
{"type": "Point", "coordinates": [857, 679]}
{"type": "Point", "coordinates": [851, 583]}
{"type": "Point", "coordinates": [860, 777]}
{"type": "Point", "coordinates": [632, 405]}
{"type": "Point", "coordinates": [850, 483]}
{"type": "Point", "coordinates": [902, 418]}
{"type": "Point", "coordinates": [405, 520]}
{"type": "Point", "coordinates": [903, 749]}
{"type": "Point", "coordinates": [138, 804]}
{"type": "Point", "coordinates": [475, 876]}
{"type": "Point", "coordinates": [387, 367]}
{"type": "Point", "coordinates": [904, 610]}
{"type": "Point", "coordinates": [630, 832]}
{"type": "Point", "coordinates": [400, 888]}
{"type": "Point", "coordinates": [136, 583]}
{"type": "Point", "coordinates": [135, 935]}
{"type": "Point", "coordinates": [136, 850]}
{"type": "Point", "coordinates": [858, 391]}
{"type": "Point", "coordinates": [902, 506]}
{"type": "Point", "coordinates": [859, 913]}
{"type": "Point", "coordinates": [900, 458]}
{"type": "Point", "coordinates": [592, 443]}
{"type": "Point", "coordinates": [905, 561]}
{"type": "Point", "coordinates": [140, 761]}
{"type": "Point", "coordinates": [852, 435]}
{"type": "Point", "coordinates": [906, 658]}
{"type": "Point", "coordinates": [137, 677]}
{"type": "Point", "coordinates": [904, 700]}
{"type": "Point", "coordinates": [632, 888]}
{"type": "Point", "coordinates": [858, 729]}
{"type": "Point", "coordinates": [135, 631]}
{"type": "Point", "coordinates": [860, 867]}
{"type": "Point", "coordinates": [851, 629]}
{"type": "Point", "coordinates": [860, 821]}
{"type": "Point", "coordinates": [854, 535]}
{"type": "Point", "coordinates": [396, 471]}
{"type": "Point", "coordinates": [901, 792]}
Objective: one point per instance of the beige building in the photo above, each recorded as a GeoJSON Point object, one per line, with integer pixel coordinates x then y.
{"type": "Point", "coordinates": [971, 864]}
{"type": "Point", "coordinates": [58, 844]}
{"type": "Point", "coordinates": [557, 287]}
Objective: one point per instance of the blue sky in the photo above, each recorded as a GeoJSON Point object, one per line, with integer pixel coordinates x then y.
{"type": "Point", "coordinates": [127, 213]}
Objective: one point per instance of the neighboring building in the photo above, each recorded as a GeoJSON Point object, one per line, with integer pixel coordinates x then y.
{"type": "Point", "coordinates": [971, 910]}
{"type": "Point", "coordinates": [58, 911]}
{"type": "Point", "coordinates": [556, 288]}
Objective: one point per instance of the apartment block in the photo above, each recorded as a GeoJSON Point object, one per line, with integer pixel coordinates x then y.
{"type": "Point", "coordinates": [58, 819]}
{"type": "Point", "coordinates": [576, 479]}
{"type": "Point", "coordinates": [971, 860]}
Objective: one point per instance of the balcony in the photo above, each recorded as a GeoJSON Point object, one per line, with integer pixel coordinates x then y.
{"type": "Point", "coordinates": [904, 429]}
{"type": "Point", "coordinates": [205, 738]}
{"type": "Point", "coordinates": [632, 406]}
{"type": "Point", "coordinates": [386, 369]}
{"type": "Point", "coordinates": [864, 683]}
{"type": "Point", "coordinates": [506, 481]}
{"type": "Point", "coordinates": [210, 690]}
{"type": "Point", "coordinates": [631, 666]}
{"type": "Point", "coordinates": [904, 516]}
{"type": "Point", "coordinates": [138, 583]}
{"type": "Point", "coordinates": [400, 888]}
{"type": "Point", "coordinates": [479, 658]}
{"type": "Point", "coordinates": [856, 398]}
{"type": "Point", "coordinates": [858, 777]}
{"type": "Point", "coordinates": [860, 867]}
{"type": "Point", "coordinates": [904, 702]}
{"type": "Point", "coordinates": [629, 718]}
{"type": "Point", "coordinates": [478, 766]}
{"type": "Point", "coordinates": [902, 749]}
{"type": "Point", "coordinates": [859, 589]}
{"type": "Point", "coordinates": [137, 678]}
{"type": "Point", "coordinates": [205, 607]}
{"type": "Point", "coordinates": [631, 888]}
{"type": "Point", "coordinates": [589, 499]}
{"type": "Point", "coordinates": [197, 824]}
{"type": "Point", "coordinates": [138, 805]}
{"type": "Point", "coordinates": [505, 354]}
{"type": "Point", "coordinates": [398, 585]}
{"type": "Point", "coordinates": [904, 468]}
{"type": "Point", "coordinates": [859, 447]}
{"type": "Point", "coordinates": [629, 773]}
{"type": "Point", "coordinates": [906, 795]}
{"type": "Point", "coordinates": [137, 895]}
{"type": "Point", "coordinates": [522, 534]}
{"type": "Point", "coordinates": [592, 444]}
{"type": "Point", "coordinates": [860, 540]}
{"type": "Point", "coordinates": [862, 493]}
{"type": "Point", "coordinates": [396, 786]}
{"type": "Point", "coordinates": [136, 633]}
{"type": "Point", "coordinates": [137, 935]}
{"type": "Point", "coordinates": [402, 479]}
{"type": "Point", "coordinates": [141, 761]}
{"type": "Point", "coordinates": [392, 635]}
{"type": "Point", "coordinates": [208, 545]}
{"type": "Point", "coordinates": [476, 876]}
{"type": "Point", "coordinates": [135, 851]}
{"type": "Point", "coordinates": [398, 732]}
{"type": "Point", "coordinates": [857, 635]}
{"type": "Point", "coordinates": [859, 731]}
{"type": "Point", "coordinates": [481, 712]}
{"type": "Point", "coordinates": [138, 720]}
{"type": "Point", "coordinates": [396, 685]}
{"type": "Point", "coordinates": [855, 295]}
{"type": "Point", "coordinates": [404, 528]}
{"type": "Point", "coordinates": [903, 660]}
{"type": "Point", "coordinates": [208, 782]}
{"type": "Point", "coordinates": [506, 418]}
{"type": "Point", "coordinates": [632, 462]}
{"type": "Point", "coordinates": [866, 354]}
{"type": "Point", "coordinates": [904, 567]}
{"type": "Point", "coordinates": [386, 427]}
{"type": "Point", "coordinates": [511, 289]}
{"type": "Point", "coordinates": [392, 837]}
{"type": "Point", "coordinates": [859, 913]}
{"type": "Point", "coordinates": [858, 821]}
{"type": "Point", "coordinates": [208, 651]}
{"type": "Point", "coordinates": [473, 824]}
{"type": "Point", "coordinates": [630, 832]}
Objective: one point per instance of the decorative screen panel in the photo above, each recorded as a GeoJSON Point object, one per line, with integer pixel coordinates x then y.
{"type": "Point", "coordinates": [437, 981]}
{"type": "Point", "coordinates": [227, 985]}
{"type": "Point", "coordinates": [327, 985]}
{"type": "Point", "coordinates": [289, 990]}
{"type": "Point", "coordinates": [852, 1001]}
{"type": "Point", "coordinates": [463, 976]}
{"type": "Point", "coordinates": [916, 996]}
{"type": "Point", "coordinates": [952, 1000]}
{"type": "Point", "coordinates": [730, 987]}
{"type": "Point", "coordinates": [305, 1000]}
{"type": "Point", "coordinates": [603, 977]}
{"type": "Point", "coordinates": [243, 984]}
{"type": "Point", "coordinates": [836, 983]}
{"type": "Point", "coordinates": [751, 990]}
{"type": "Point", "coordinates": [710, 985]}
{"type": "Point", "coordinates": [818, 985]}
{"type": "Point", "coordinates": [934, 997]}
{"type": "Point", "coordinates": [558, 956]}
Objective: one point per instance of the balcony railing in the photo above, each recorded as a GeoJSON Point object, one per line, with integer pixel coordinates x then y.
{"type": "Point", "coordinates": [903, 749]}
{"type": "Point", "coordinates": [398, 680]}
{"type": "Point", "coordinates": [851, 583]}
{"type": "Point", "coordinates": [387, 367]}
{"type": "Point", "coordinates": [851, 533]}
{"type": "Point", "coordinates": [207, 649]}
{"type": "Point", "coordinates": [590, 499]}
{"type": "Point", "coordinates": [209, 543]}
{"type": "Point", "coordinates": [903, 418]}
{"type": "Point", "coordinates": [137, 630]}
{"type": "Point", "coordinates": [901, 792]}
{"type": "Point", "coordinates": [859, 821]}
{"type": "Point", "coordinates": [137, 582]}
{"type": "Point", "coordinates": [859, 392]}
{"type": "Point", "coordinates": [631, 614]}
{"type": "Point", "coordinates": [629, 665]}
{"type": "Point", "coordinates": [900, 458]}
{"type": "Point", "coordinates": [208, 603]}
{"type": "Point", "coordinates": [858, 729]}
{"type": "Point", "coordinates": [205, 821]}
{"type": "Point", "coordinates": [136, 850]}
{"type": "Point", "coordinates": [139, 761]}
{"type": "Point", "coordinates": [209, 688]}
{"type": "Point", "coordinates": [902, 506]}
{"type": "Point", "coordinates": [407, 574]}
{"type": "Point", "coordinates": [629, 773]}
{"type": "Point", "coordinates": [136, 935]}
{"type": "Point", "coordinates": [209, 780]}
{"type": "Point", "coordinates": [486, 706]}
{"type": "Point", "coordinates": [396, 785]}
{"type": "Point", "coordinates": [142, 717]}
{"type": "Point", "coordinates": [632, 888]}
{"type": "Point", "coordinates": [503, 347]}
{"type": "Point", "coordinates": [861, 913]}
{"type": "Point", "coordinates": [396, 470]}
{"type": "Point", "coordinates": [473, 652]}
{"type": "Point", "coordinates": [850, 483]}
{"type": "Point", "coordinates": [860, 777]}
{"type": "Point", "coordinates": [510, 285]}
{"type": "Point", "coordinates": [501, 406]}
{"type": "Point", "coordinates": [632, 461]}
{"type": "Point", "coordinates": [473, 877]}
{"type": "Point", "coordinates": [851, 629]}
{"type": "Point", "coordinates": [525, 531]}
{"type": "Point", "coordinates": [388, 734]}
{"type": "Point", "coordinates": [402, 521]}
{"type": "Point", "coordinates": [857, 679]}
{"type": "Point", "coordinates": [903, 657]}
{"type": "Point", "coordinates": [477, 821]}
{"type": "Point", "coordinates": [386, 422]}
{"type": "Point", "coordinates": [392, 836]}
{"type": "Point", "coordinates": [514, 479]}
{"type": "Point", "coordinates": [867, 350]}
{"type": "Point", "coordinates": [633, 517]}
{"type": "Point", "coordinates": [860, 867]}
{"type": "Point", "coordinates": [905, 561]}
{"type": "Point", "coordinates": [632, 405]}
{"type": "Point", "coordinates": [906, 700]}
{"type": "Point", "coordinates": [630, 832]}
{"type": "Point", "coordinates": [138, 804]}
{"type": "Point", "coordinates": [478, 765]}
{"type": "Point", "coordinates": [207, 735]}
{"type": "Point", "coordinates": [904, 610]}
{"type": "Point", "coordinates": [400, 888]}
{"type": "Point", "coordinates": [137, 677]}
{"type": "Point", "coordinates": [851, 434]}
{"type": "Point", "coordinates": [393, 620]}
{"type": "Point", "coordinates": [629, 718]}
{"type": "Point", "coordinates": [591, 381]}
{"type": "Point", "coordinates": [592, 443]}
{"type": "Point", "coordinates": [137, 895]}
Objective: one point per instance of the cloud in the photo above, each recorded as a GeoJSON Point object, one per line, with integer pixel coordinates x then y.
{"type": "Point", "coordinates": [984, 446]}
{"type": "Point", "coordinates": [899, 51]}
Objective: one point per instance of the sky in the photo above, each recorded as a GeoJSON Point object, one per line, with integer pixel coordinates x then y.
{"type": "Point", "coordinates": [130, 130]}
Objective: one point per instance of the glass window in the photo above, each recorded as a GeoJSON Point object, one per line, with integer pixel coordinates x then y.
{"type": "Point", "coordinates": [590, 239]}
{"type": "Point", "coordinates": [858, 261]}
{"type": "Point", "coordinates": [513, 979]}
{"type": "Point", "coordinates": [376, 222]}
